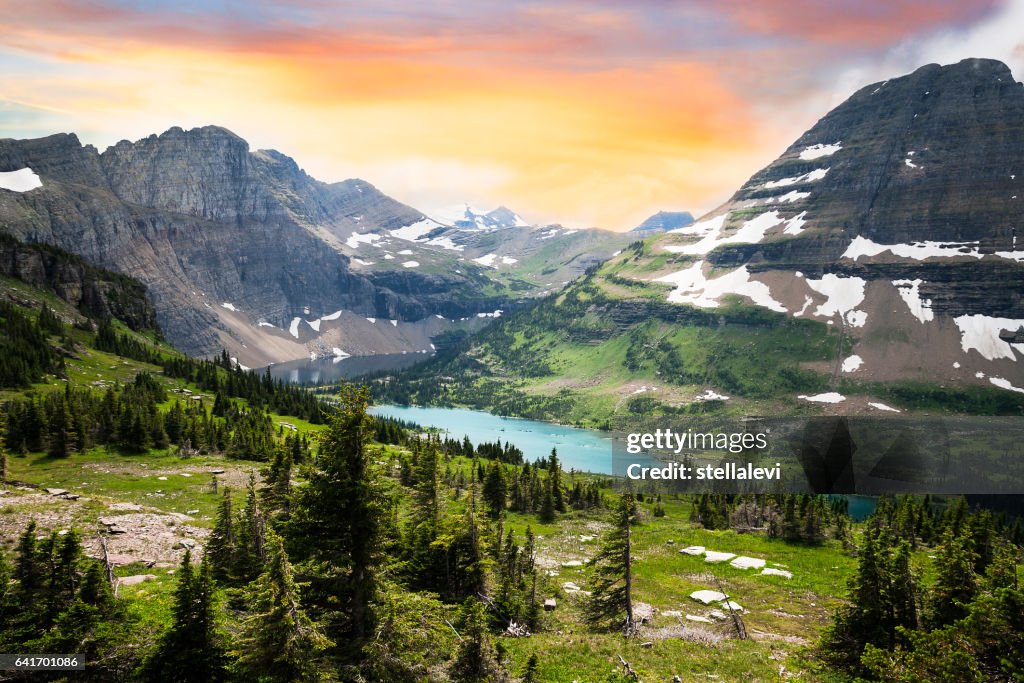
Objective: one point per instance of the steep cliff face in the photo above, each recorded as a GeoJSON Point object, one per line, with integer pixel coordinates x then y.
{"type": "Point", "coordinates": [225, 238]}
{"type": "Point", "coordinates": [95, 292]}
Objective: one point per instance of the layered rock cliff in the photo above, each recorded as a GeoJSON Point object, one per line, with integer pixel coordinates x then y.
{"type": "Point", "coordinates": [236, 245]}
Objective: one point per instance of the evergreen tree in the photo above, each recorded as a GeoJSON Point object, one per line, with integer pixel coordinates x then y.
{"type": "Point", "coordinates": [956, 583]}
{"type": "Point", "coordinates": [555, 476]}
{"type": "Point", "coordinates": [495, 489]}
{"type": "Point", "coordinates": [222, 546]}
{"type": "Point", "coordinates": [339, 517]}
{"type": "Point", "coordinates": [531, 674]}
{"type": "Point", "coordinates": [611, 602]}
{"type": "Point", "coordinates": [190, 651]}
{"type": "Point", "coordinates": [278, 642]}
{"type": "Point", "coordinates": [547, 504]}
{"type": "Point", "coordinates": [476, 660]}
{"type": "Point", "coordinates": [250, 536]}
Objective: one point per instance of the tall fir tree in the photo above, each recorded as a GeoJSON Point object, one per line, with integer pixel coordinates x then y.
{"type": "Point", "coordinates": [279, 643]}
{"type": "Point", "coordinates": [222, 545]}
{"type": "Point", "coordinates": [191, 650]}
{"type": "Point", "coordinates": [611, 601]}
{"type": "Point", "coordinates": [339, 517]}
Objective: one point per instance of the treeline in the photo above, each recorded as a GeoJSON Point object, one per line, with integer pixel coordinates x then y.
{"type": "Point", "coordinates": [25, 352]}
{"type": "Point", "coordinates": [793, 517]}
{"type": "Point", "coordinates": [219, 375]}
{"type": "Point", "coordinates": [966, 625]}
{"type": "Point", "coordinates": [129, 418]}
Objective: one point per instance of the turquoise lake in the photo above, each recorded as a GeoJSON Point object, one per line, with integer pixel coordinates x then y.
{"type": "Point", "coordinates": [580, 449]}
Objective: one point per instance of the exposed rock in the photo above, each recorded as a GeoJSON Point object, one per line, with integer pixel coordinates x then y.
{"type": "Point", "coordinates": [136, 579]}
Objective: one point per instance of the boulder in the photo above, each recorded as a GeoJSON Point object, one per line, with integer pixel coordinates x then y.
{"type": "Point", "coordinates": [708, 596]}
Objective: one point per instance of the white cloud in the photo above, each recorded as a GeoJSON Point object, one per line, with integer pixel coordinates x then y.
{"type": "Point", "coordinates": [996, 36]}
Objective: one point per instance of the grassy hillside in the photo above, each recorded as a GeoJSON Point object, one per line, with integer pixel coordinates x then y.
{"type": "Point", "coordinates": [610, 346]}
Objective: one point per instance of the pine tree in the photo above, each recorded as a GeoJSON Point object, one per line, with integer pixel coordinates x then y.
{"type": "Point", "coordinates": [956, 583]}
{"type": "Point", "coordinates": [339, 517]}
{"type": "Point", "coordinates": [495, 489]}
{"type": "Point", "coordinates": [555, 476]}
{"type": "Point", "coordinates": [611, 602]}
{"type": "Point", "coordinates": [222, 546]}
{"type": "Point", "coordinates": [4, 474]}
{"type": "Point", "coordinates": [531, 674]}
{"type": "Point", "coordinates": [278, 642]}
{"type": "Point", "coordinates": [250, 536]}
{"type": "Point", "coordinates": [190, 650]}
{"type": "Point", "coordinates": [476, 660]}
{"type": "Point", "coordinates": [547, 504]}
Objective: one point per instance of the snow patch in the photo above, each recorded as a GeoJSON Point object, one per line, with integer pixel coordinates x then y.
{"type": "Point", "coordinates": [362, 262]}
{"type": "Point", "coordinates": [882, 406]}
{"type": "Point", "coordinates": [394, 323]}
{"type": "Point", "coordinates": [293, 328]}
{"type": "Point", "coordinates": [230, 307]}
{"type": "Point", "coordinates": [919, 308]}
{"type": "Point", "coordinates": [822, 150]}
{"type": "Point", "coordinates": [22, 180]}
{"type": "Point", "coordinates": [415, 231]}
{"type": "Point", "coordinates": [372, 320]}
{"type": "Point", "coordinates": [981, 333]}
{"type": "Point", "coordinates": [816, 174]}
{"type": "Point", "coordinates": [264, 323]}
{"type": "Point", "coordinates": [704, 227]}
{"type": "Point", "coordinates": [844, 295]}
{"type": "Point", "coordinates": [710, 395]}
{"type": "Point", "coordinates": [508, 261]}
{"type": "Point", "coordinates": [315, 324]}
{"type": "Point", "coordinates": [338, 353]}
{"type": "Point", "coordinates": [355, 239]}
{"type": "Point", "coordinates": [691, 287]}
{"type": "Point", "coordinates": [828, 397]}
{"type": "Point", "coordinates": [332, 316]}
{"type": "Point", "coordinates": [405, 252]}
{"type": "Point", "coordinates": [487, 260]}
{"type": "Point", "coordinates": [853, 363]}
{"type": "Point", "coordinates": [1005, 384]}
{"type": "Point", "coordinates": [445, 243]}
{"type": "Point", "coordinates": [410, 264]}
{"type": "Point", "coordinates": [919, 251]}
{"type": "Point", "coordinates": [751, 232]}
{"type": "Point", "coordinates": [794, 226]}
{"type": "Point", "coordinates": [494, 314]}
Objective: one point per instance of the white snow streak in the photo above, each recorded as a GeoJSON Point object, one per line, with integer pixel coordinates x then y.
{"type": "Point", "coordinates": [919, 308]}
{"type": "Point", "coordinates": [818, 151]}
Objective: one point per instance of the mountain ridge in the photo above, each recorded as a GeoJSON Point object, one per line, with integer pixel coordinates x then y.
{"type": "Point", "coordinates": [236, 245]}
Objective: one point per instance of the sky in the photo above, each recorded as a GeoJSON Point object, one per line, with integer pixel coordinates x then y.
{"type": "Point", "coordinates": [594, 113]}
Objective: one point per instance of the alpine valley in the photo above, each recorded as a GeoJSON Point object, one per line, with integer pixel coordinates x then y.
{"type": "Point", "coordinates": [873, 267]}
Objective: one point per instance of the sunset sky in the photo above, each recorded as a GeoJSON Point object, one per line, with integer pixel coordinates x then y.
{"type": "Point", "coordinates": [585, 113]}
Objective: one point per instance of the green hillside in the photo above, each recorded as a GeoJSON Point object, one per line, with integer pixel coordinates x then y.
{"type": "Point", "coordinates": [609, 346]}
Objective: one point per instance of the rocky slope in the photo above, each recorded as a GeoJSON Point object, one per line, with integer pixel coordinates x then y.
{"type": "Point", "coordinates": [93, 291]}
{"type": "Point", "coordinates": [876, 258]}
{"type": "Point", "coordinates": [243, 250]}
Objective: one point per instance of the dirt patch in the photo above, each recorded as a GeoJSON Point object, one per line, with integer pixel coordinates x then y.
{"type": "Point", "coordinates": [147, 536]}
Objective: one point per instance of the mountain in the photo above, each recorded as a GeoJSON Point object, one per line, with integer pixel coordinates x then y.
{"type": "Point", "coordinates": [468, 218]}
{"type": "Point", "coordinates": [873, 266]}
{"type": "Point", "coordinates": [663, 221]}
{"type": "Point", "coordinates": [243, 250]}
